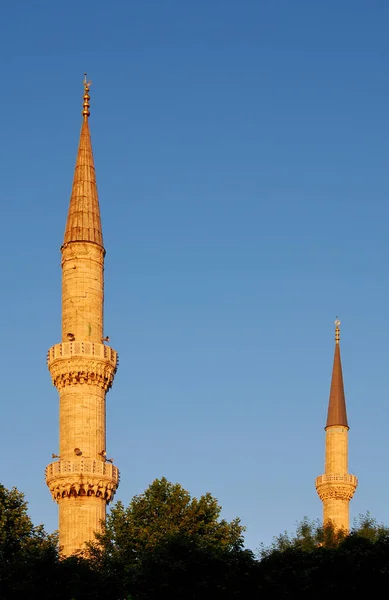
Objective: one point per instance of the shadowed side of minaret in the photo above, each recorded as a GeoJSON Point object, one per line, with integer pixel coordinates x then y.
{"type": "Point", "coordinates": [336, 487]}
{"type": "Point", "coordinates": [82, 367]}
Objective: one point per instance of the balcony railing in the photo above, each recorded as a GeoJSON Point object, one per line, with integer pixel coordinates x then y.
{"type": "Point", "coordinates": [98, 467]}
{"type": "Point", "coordinates": [85, 349]}
{"type": "Point", "coordinates": [336, 479]}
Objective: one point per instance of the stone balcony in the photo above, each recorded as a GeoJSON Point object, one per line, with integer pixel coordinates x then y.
{"type": "Point", "coordinates": [341, 479]}
{"type": "Point", "coordinates": [89, 466]}
{"type": "Point", "coordinates": [82, 362]}
{"type": "Point", "coordinates": [85, 477]}
{"type": "Point", "coordinates": [82, 349]}
{"type": "Point", "coordinates": [336, 487]}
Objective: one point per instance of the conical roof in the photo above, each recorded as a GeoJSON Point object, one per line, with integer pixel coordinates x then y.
{"type": "Point", "coordinates": [84, 222]}
{"type": "Point", "coordinates": [337, 414]}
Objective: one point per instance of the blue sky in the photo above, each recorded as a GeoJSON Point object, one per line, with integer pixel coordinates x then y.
{"type": "Point", "coordinates": [241, 150]}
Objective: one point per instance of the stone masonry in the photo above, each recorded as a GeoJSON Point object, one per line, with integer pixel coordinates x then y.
{"type": "Point", "coordinates": [336, 487]}
{"type": "Point", "coordinates": [81, 479]}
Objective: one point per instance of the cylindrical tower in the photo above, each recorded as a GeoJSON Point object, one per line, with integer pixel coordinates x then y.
{"type": "Point", "coordinates": [82, 480]}
{"type": "Point", "coordinates": [336, 487]}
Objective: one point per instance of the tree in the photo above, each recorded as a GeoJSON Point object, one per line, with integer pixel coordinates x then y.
{"type": "Point", "coordinates": [317, 562]}
{"type": "Point", "coordinates": [365, 526]}
{"type": "Point", "coordinates": [309, 536]}
{"type": "Point", "coordinates": [29, 561]}
{"type": "Point", "coordinates": [166, 542]}
{"type": "Point", "coordinates": [28, 555]}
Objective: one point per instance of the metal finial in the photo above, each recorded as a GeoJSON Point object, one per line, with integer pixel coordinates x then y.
{"type": "Point", "coordinates": [86, 106]}
{"type": "Point", "coordinates": [337, 330]}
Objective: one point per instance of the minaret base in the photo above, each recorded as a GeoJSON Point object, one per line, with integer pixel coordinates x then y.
{"type": "Point", "coordinates": [77, 522]}
{"type": "Point", "coordinates": [82, 488]}
{"type": "Point", "coordinates": [336, 491]}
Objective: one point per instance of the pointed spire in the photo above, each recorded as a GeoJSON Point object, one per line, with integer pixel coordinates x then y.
{"type": "Point", "coordinates": [83, 222]}
{"type": "Point", "coordinates": [86, 105]}
{"type": "Point", "coordinates": [337, 414]}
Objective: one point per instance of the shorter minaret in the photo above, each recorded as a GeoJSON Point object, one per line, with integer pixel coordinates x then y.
{"type": "Point", "coordinates": [336, 487]}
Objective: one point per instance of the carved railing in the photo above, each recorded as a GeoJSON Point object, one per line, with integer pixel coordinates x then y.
{"type": "Point", "coordinates": [85, 349]}
{"type": "Point", "coordinates": [337, 479]}
{"type": "Point", "coordinates": [89, 467]}
{"type": "Point", "coordinates": [71, 478]}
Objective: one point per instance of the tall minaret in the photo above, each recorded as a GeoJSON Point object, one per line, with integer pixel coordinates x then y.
{"type": "Point", "coordinates": [336, 487]}
{"type": "Point", "coordinates": [82, 481]}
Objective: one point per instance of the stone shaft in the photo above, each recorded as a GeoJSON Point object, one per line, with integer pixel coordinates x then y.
{"type": "Point", "coordinates": [83, 516]}
{"type": "Point", "coordinates": [336, 487]}
{"type": "Point", "coordinates": [82, 291]}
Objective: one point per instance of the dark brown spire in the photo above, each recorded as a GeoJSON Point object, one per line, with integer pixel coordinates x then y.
{"type": "Point", "coordinates": [83, 222]}
{"type": "Point", "coordinates": [337, 414]}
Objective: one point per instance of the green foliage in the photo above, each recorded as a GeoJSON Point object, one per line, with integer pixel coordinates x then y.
{"type": "Point", "coordinates": [164, 510]}
{"type": "Point", "coordinates": [16, 528]}
{"type": "Point", "coordinates": [29, 561]}
{"type": "Point", "coordinates": [27, 554]}
{"type": "Point", "coordinates": [309, 536]}
{"type": "Point", "coordinates": [312, 534]}
{"type": "Point", "coordinates": [319, 562]}
{"type": "Point", "coordinates": [167, 540]}
{"type": "Point", "coordinates": [166, 544]}
{"type": "Point", "coordinates": [365, 526]}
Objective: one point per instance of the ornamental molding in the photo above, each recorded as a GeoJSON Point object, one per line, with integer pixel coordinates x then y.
{"type": "Point", "coordinates": [72, 479]}
{"type": "Point", "coordinates": [75, 487]}
{"type": "Point", "coordinates": [339, 487]}
{"type": "Point", "coordinates": [337, 493]}
{"type": "Point", "coordinates": [336, 478]}
{"type": "Point", "coordinates": [71, 363]}
{"type": "Point", "coordinates": [82, 371]}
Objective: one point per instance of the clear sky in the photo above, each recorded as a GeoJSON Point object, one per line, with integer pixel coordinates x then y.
{"type": "Point", "coordinates": [241, 149]}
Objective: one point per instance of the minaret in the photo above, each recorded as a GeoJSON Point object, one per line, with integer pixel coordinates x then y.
{"type": "Point", "coordinates": [336, 487]}
{"type": "Point", "coordinates": [82, 481]}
